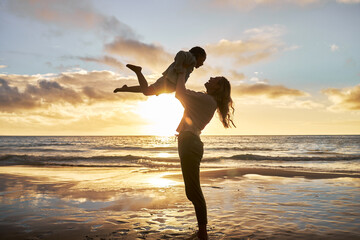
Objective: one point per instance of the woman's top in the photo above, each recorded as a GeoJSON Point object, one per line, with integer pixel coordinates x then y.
{"type": "Point", "coordinates": [199, 108]}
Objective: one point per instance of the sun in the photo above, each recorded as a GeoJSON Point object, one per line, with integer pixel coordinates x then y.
{"type": "Point", "coordinates": [163, 113]}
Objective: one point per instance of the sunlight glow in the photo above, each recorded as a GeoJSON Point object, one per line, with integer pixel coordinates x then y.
{"type": "Point", "coordinates": [163, 113]}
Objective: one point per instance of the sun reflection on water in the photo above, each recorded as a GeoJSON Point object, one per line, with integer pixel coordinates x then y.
{"type": "Point", "coordinates": [163, 155]}
{"type": "Point", "coordinates": [161, 182]}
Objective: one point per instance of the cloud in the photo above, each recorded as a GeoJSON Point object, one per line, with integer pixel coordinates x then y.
{"type": "Point", "coordinates": [307, 104]}
{"type": "Point", "coordinates": [234, 75]}
{"type": "Point", "coordinates": [259, 44]}
{"type": "Point", "coordinates": [60, 121]}
{"type": "Point", "coordinates": [53, 92]}
{"type": "Point", "coordinates": [251, 4]}
{"type": "Point", "coordinates": [3, 66]}
{"type": "Point", "coordinates": [269, 91]}
{"type": "Point", "coordinates": [78, 14]}
{"type": "Point", "coordinates": [334, 48]}
{"type": "Point", "coordinates": [104, 80]}
{"type": "Point", "coordinates": [19, 92]}
{"type": "Point", "coordinates": [348, 1]}
{"type": "Point", "coordinates": [149, 55]}
{"type": "Point", "coordinates": [11, 98]}
{"type": "Point", "coordinates": [344, 99]}
{"type": "Point", "coordinates": [104, 60]}
{"type": "Point", "coordinates": [40, 95]}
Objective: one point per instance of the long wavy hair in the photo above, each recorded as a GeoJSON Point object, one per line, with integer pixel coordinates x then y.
{"type": "Point", "coordinates": [225, 105]}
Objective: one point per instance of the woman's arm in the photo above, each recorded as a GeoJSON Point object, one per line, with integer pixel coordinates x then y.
{"type": "Point", "coordinates": [180, 86]}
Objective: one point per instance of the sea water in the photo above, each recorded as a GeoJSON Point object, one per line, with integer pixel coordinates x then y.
{"type": "Point", "coordinates": [336, 153]}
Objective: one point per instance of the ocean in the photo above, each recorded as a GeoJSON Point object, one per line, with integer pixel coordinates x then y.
{"type": "Point", "coordinates": [325, 153]}
{"type": "Point", "coordinates": [131, 187]}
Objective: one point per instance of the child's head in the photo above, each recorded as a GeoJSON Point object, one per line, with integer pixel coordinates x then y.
{"type": "Point", "coordinates": [199, 54]}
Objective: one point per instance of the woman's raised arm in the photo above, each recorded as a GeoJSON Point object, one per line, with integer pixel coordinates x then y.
{"type": "Point", "coordinates": [180, 86]}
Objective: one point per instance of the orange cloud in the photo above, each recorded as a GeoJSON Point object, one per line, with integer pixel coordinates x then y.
{"type": "Point", "coordinates": [269, 91]}
{"type": "Point", "coordinates": [79, 121]}
{"type": "Point", "coordinates": [259, 44]}
{"type": "Point", "coordinates": [344, 99]}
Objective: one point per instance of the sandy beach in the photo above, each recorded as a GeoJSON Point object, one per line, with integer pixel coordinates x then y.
{"type": "Point", "coordinates": [130, 203]}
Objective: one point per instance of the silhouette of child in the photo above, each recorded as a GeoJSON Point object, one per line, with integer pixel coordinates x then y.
{"type": "Point", "coordinates": [184, 63]}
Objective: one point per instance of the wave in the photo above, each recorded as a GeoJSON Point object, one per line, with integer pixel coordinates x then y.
{"type": "Point", "coordinates": [48, 150]}
{"type": "Point", "coordinates": [135, 148]}
{"type": "Point", "coordinates": [174, 148]}
{"type": "Point", "coordinates": [337, 157]}
{"type": "Point", "coordinates": [19, 145]}
{"type": "Point", "coordinates": [240, 149]}
{"type": "Point", "coordinates": [97, 161]}
{"type": "Point", "coordinates": [133, 160]}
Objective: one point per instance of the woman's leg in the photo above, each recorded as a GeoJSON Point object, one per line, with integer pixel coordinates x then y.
{"type": "Point", "coordinates": [190, 151]}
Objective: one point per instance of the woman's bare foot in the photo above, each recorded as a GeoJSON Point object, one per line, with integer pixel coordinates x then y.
{"type": "Point", "coordinates": [122, 89]}
{"type": "Point", "coordinates": [202, 233]}
{"type": "Point", "coordinates": [136, 69]}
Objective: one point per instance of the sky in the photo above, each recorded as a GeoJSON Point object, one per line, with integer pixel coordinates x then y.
{"type": "Point", "coordinates": [294, 65]}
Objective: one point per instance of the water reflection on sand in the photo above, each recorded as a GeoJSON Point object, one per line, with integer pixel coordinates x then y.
{"type": "Point", "coordinates": [126, 203]}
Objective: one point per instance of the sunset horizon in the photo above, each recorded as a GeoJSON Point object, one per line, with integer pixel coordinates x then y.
{"type": "Point", "coordinates": [293, 66]}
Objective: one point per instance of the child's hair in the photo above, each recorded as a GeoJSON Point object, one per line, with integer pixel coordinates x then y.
{"type": "Point", "coordinates": [198, 52]}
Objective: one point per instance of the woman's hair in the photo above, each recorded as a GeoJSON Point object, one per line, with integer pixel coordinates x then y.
{"type": "Point", "coordinates": [198, 52]}
{"type": "Point", "coordinates": [225, 104]}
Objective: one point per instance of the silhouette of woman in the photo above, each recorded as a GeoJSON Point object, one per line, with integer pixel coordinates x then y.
{"type": "Point", "coordinates": [199, 108]}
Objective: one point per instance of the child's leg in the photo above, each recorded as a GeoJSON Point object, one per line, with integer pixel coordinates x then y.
{"type": "Point", "coordinates": [125, 88]}
{"type": "Point", "coordinates": [145, 89]}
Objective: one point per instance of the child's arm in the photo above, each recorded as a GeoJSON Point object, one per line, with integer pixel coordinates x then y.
{"type": "Point", "coordinates": [179, 61]}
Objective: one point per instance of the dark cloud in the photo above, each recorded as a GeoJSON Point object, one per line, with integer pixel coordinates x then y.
{"type": "Point", "coordinates": [53, 92]}
{"type": "Point", "coordinates": [11, 98]}
{"type": "Point", "coordinates": [67, 88]}
{"type": "Point", "coordinates": [149, 55]}
{"type": "Point", "coordinates": [79, 14]}
{"type": "Point", "coordinates": [40, 95]}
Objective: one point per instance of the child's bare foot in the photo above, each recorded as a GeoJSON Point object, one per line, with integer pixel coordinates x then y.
{"type": "Point", "coordinates": [136, 69]}
{"type": "Point", "coordinates": [122, 89]}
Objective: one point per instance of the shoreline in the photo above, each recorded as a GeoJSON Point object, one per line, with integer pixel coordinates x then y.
{"type": "Point", "coordinates": [273, 172]}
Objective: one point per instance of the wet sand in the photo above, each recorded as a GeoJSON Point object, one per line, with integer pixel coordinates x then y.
{"type": "Point", "coordinates": [129, 203]}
